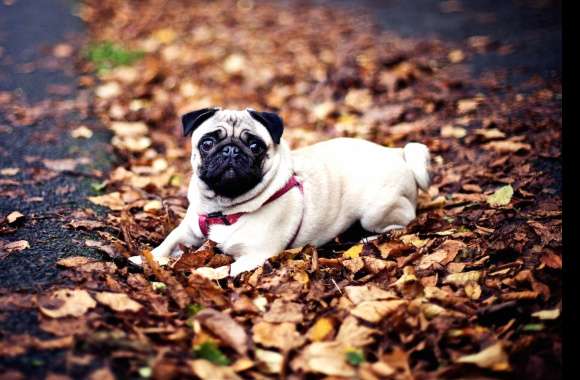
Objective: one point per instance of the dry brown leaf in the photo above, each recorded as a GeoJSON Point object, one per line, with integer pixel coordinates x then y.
{"type": "Point", "coordinates": [118, 301]}
{"type": "Point", "coordinates": [354, 334]}
{"type": "Point", "coordinates": [328, 358]}
{"type": "Point", "coordinates": [492, 357]}
{"type": "Point", "coordinates": [507, 146]}
{"type": "Point", "coordinates": [112, 200]}
{"type": "Point", "coordinates": [206, 370]}
{"type": "Point", "coordinates": [461, 279]}
{"type": "Point", "coordinates": [226, 328]}
{"type": "Point", "coordinates": [375, 311]}
{"type": "Point", "coordinates": [281, 311]}
{"type": "Point", "coordinates": [368, 292]}
{"type": "Point", "coordinates": [269, 361]}
{"type": "Point", "coordinates": [73, 303]}
{"type": "Point", "coordinates": [14, 216]}
{"type": "Point", "coordinates": [278, 335]}
{"type": "Point", "coordinates": [16, 246]}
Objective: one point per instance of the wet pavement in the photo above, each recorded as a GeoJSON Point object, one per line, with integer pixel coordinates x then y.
{"type": "Point", "coordinates": [28, 32]}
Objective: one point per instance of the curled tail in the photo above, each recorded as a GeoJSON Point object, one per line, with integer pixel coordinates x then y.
{"type": "Point", "coordinates": [418, 158]}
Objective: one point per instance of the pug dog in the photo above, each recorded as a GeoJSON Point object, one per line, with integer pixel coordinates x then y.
{"type": "Point", "coordinates": [255, 197]}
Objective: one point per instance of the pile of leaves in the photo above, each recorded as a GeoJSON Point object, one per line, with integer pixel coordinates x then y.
{"type": "Point", "coordinates": [472, 287]}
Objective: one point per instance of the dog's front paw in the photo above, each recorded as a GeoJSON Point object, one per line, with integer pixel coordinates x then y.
{"type": "Point", "coordinates": [245, 264]}
{"type": "Point", "coordinates": [158, 255]}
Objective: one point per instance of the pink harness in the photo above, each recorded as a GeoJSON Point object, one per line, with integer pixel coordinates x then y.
{"type": "Point", "coordinates": [207, 220]}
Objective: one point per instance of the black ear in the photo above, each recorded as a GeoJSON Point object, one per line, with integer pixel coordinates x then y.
{"type": "Point", "coordinates": [271, 121]}
{"type": "Point", "coordinates": [192, 120]}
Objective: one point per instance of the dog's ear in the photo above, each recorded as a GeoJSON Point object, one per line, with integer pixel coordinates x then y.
{"type": "Point", "coordinates": [271, 121]}
{"type": "Point", "coordinates": [193, 119]}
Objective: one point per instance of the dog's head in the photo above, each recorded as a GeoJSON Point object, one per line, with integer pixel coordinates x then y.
{"type": "Point", "coordinates": [231, 149]}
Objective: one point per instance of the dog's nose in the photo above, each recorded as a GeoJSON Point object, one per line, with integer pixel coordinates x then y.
{"type": "Point", "coordinates": [230, 151]}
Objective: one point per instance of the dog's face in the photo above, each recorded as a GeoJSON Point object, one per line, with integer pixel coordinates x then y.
{"type": "Point", "coordinates": [230, 149]}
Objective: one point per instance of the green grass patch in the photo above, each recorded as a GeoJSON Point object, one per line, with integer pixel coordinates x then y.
{"type": "Point", "coordinates": [211, 352]}
{"type": "Point", "coordinates": [107, 55]}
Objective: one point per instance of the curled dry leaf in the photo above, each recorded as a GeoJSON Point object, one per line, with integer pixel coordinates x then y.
{"type": "Point", "coordinates": [71, 303]}
{"type": "Point", "coordinates": [118, 301]}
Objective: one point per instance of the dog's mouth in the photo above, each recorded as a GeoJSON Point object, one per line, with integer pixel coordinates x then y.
{"type": "Point", "coordinates": [228, 178]}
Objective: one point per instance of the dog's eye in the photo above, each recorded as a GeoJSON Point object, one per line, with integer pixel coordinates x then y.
{"type": "Point", "coordinates": [255, 147]}
{"type": "Point", "coordinates": [206, 145]}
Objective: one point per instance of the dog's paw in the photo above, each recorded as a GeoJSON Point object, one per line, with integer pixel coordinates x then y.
{"type": "Point", "coordinates": [244, 264]}
{"type": "Point", "coordinates": [158, 257]}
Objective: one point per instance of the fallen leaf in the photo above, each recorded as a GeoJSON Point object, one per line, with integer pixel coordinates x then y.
{"type": "Point", "coordinates": [14, 216]}
{"type": "Point", "coordinates": [324, 357]}
{"type": "Point", "coordinates": [16, 246]}
{"type": "Point", "coordinates": [226, 328]}
{"type": "Point", "coordinates": [214, 273]}
{"type": "Point", "coordinates": [81, 132]}
{"type": "Point", "coordinates": [281, 311]}
{"type": "Point", "coordinates": [547, 314]}
{"type": "Point", "coordinates": [461, 279]}
{"type": "Point", "coordinates": [278, 335]}
{"type": "Point", "coordinates": [353, 252]}
{"type": "Point", "coordinates": [493, 357]}
{"type": "Point", "coordinates": [206, 370]}
{"type": "Point", "coordinates": [269, 361]}
{"type": "Point", "coordinates": [501, 197]}
{"type": "Point", "coordinates": [9, 171]}
{"type": "Point", "coordinates": [112, 200]}
{"type": "Point", "coordinates": [375, 311]}
{"type": "Point", "coordinates": [507, 146]}
{"type": "Point", "coordinates": [321, 329]}
{"type": "Point", "coordinates": [354, 334]}
{"type": "Point", "coordinates": [368, 292]}
{"type": "Point", "coordinates": [73, 303]}
{"type": "Point", "coordinates": [118, 301]}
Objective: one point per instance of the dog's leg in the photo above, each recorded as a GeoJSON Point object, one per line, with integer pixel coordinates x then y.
{"type": "Point", "coordinates": [182, 234]}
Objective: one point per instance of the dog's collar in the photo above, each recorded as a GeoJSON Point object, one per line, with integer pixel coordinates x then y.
{"type": "Point", "coordinates": [207, 220]}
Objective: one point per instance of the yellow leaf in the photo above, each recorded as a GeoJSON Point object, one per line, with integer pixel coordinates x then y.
{"type": "Point", "coordinates": [320, 330]}
{"type": "Point", "coordinates": [353, 252]}
{"type": "Point", "coordinates": [501, 197]}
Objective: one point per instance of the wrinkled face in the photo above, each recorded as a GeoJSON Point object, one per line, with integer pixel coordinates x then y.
{"type": "Point", "coordinates": [232, 149]}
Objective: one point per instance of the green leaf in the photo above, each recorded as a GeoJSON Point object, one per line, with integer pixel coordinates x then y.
{"type": "Point", "coordinates": [107, 55]}
{"type": "Point", "coordinates": [211, 352]}
{"type": "Point", "coordinates": [98, 187]}
{"type": "Point", "coordinates": [193, 309]}
{"type": "Point", "coordinates": [533, 327]}
{"type": "Point", "coordinates": [355, 357]}
{"type": "Point", "coordinates": [501, 196]}
{"type": "Point", "coordinates": [158, 286]}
